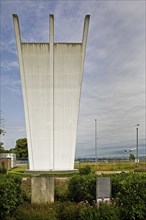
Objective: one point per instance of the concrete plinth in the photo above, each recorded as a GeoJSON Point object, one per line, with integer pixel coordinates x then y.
{"type": "Point", "coordinates": [42, 189]}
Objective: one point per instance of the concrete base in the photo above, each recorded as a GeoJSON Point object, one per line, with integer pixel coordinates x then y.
{"type": "Point", "coordinates": [49, 172]}
{"type": "Point", "coordinates": [42, 189]}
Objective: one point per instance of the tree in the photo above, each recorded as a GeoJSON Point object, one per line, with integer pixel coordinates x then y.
{"type": "Point", "coordinates": [2, 132]}
{"type": "Point", "coordinates": [131, 157]}
{"type": "Point", "coordinates": [2, 150]}
{"type": "Point", "coordinates": [21, 149]}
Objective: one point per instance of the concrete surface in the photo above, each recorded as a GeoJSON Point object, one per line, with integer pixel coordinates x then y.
{"type": "Point", "coordinates": [103, 188]}
{"type": "Point", "coordinates": [42, 189]}
{"type": "Point", "coordinates": [51, 76]}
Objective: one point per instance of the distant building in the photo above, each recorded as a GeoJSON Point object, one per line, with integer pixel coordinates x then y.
{"type": "Point", "coordinates": [5, 163]}
{"type": "Point", "coordinates": [7, 160]}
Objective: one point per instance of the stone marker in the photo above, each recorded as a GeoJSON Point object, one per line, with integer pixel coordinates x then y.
{"type": "Point", "coordinates": [103, 189]}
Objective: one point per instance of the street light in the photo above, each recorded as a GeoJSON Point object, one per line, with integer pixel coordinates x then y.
{"type": "Point", "coordinates": [96, 140]}
{"type": "Point", "coordinates": [137, 160]}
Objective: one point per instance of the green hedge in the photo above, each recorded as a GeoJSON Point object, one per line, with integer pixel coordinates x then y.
{"type": "Point", "coordinates": [82, 187]}
{"type": "Point", "coordinates": [66, 211]}
{"type": "Point", "coordinates": [29, 211]}
{"type": "Point", "coordinates": [10, 194]}
{"type": "Point", "coordinates": [85, 170]}
{"type": "Point", "coordinates": [3, 170]}
{"type": "Point", "coordinates": [129, 191]}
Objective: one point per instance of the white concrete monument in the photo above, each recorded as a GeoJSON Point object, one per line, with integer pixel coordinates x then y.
{"type": "Point", "coordinates": [51, 76]}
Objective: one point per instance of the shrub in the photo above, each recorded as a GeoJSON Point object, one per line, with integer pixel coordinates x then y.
{"type": "Point", "coordinates": [61, 187]}
{"type": "Point", "coordinates": [3, 170]}
{"type": "Point", "coordinates": [67, 211]}
{"type": "Point", "coordinates": [87, 212]}
{"type": "Point", "coordinates": [82, 187]}
{"type": "Point", "coordinates": [129, 190]}
{"type": "Point", "coordinates": [54, 211]}
{"type": "Point", "coordinates": [74, 211]}
{"type": "Point", "coordinates": [35, 212]}
{"type": "Point", "coordinates": [108, 212]}
{"type": "Point", "coordinates": [10, 194]}
{"type": "Point", "coordinates": [85, 170]}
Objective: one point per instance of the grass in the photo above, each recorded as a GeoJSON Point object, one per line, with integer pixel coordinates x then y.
{"type": "Point", "coordinates": [99, 166]}
{"type": "Point", "coordinates": [111, 165]}
{"type": "Point", "coordinates": [19, 170]}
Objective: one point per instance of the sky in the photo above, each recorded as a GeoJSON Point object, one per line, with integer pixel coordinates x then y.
{"type": "Point", "coordinates": [114, 78]}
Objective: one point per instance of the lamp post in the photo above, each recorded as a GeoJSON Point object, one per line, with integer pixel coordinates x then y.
{"type": "Point", "coordinates": [137, 160]}
{"type": "Point", "coordinates": [96, 141]}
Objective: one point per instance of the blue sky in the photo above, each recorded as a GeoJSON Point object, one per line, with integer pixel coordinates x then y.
{"type": "Point", "coordinates": [113, 89]}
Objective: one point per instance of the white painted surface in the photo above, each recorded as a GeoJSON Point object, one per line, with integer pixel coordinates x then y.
{"type": "Point", "coordinates": [39, 87]}
{"type": "Point", "coordinates": [67, 85]}
{"type": "Point", "coordinates": [51, 75]}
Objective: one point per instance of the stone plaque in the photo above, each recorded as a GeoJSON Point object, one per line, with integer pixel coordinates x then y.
{"type": "Point", "coordinates": [103, 188]}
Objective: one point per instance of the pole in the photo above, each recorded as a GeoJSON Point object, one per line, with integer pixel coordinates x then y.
{"type": "Point", "coordinates": [137, 144]}
{"type": "Point", "coordinates": [96, 141]}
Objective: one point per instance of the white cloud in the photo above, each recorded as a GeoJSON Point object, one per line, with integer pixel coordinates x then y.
{"type": "Point", "coordinates": [9, 65]}
{"type": "Point", "coordinates": [10, 84]}
{"type": "Point", "coordinates": [9, 47]}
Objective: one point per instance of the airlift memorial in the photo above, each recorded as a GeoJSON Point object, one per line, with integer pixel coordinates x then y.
{"type": "Point", "coordinates": [51, 77]}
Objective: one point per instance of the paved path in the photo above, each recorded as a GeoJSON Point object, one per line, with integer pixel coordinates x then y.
{"type": "Point", "coordinates": [111, 172]}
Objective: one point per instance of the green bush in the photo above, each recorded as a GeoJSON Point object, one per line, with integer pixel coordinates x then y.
{"type": "Point", "coordinates": [35, 212]}
{"type": "Point", "coordinates": [73, 211]}
{"type": "Point", "coordinates": [61, 187]}
{"type": "Point", "coordinates": [54, 211]}
{"type": "Point", "coordinates": [129, 190]}
{"type": "Point", "coordinates": [82, 187]}
{"type": "Point", "coordinates": [85, 170]}
{"type": "Point", "coordinates": [108, 212]}
{"type": "Point", "coordinates": [10, 194]}
{"type": "Point", "coordinates": [87, 212]}
{"type": "Point", "coordinates": [3, 170]}
{"type": "Point", "coordinates": [66, 211]}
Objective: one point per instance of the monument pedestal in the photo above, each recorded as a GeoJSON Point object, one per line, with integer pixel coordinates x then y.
{"type": "Point", "coordinates": [42, 189]}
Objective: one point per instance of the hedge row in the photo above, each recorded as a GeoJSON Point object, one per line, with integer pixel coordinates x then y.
{"type": "Point", "coordinates": [66, 211]}
{"type": "Point", "coordinates": [128, 193]}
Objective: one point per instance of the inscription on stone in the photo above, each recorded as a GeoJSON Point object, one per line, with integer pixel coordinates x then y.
{"type": "Point", "coordinates": [103, 187]}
